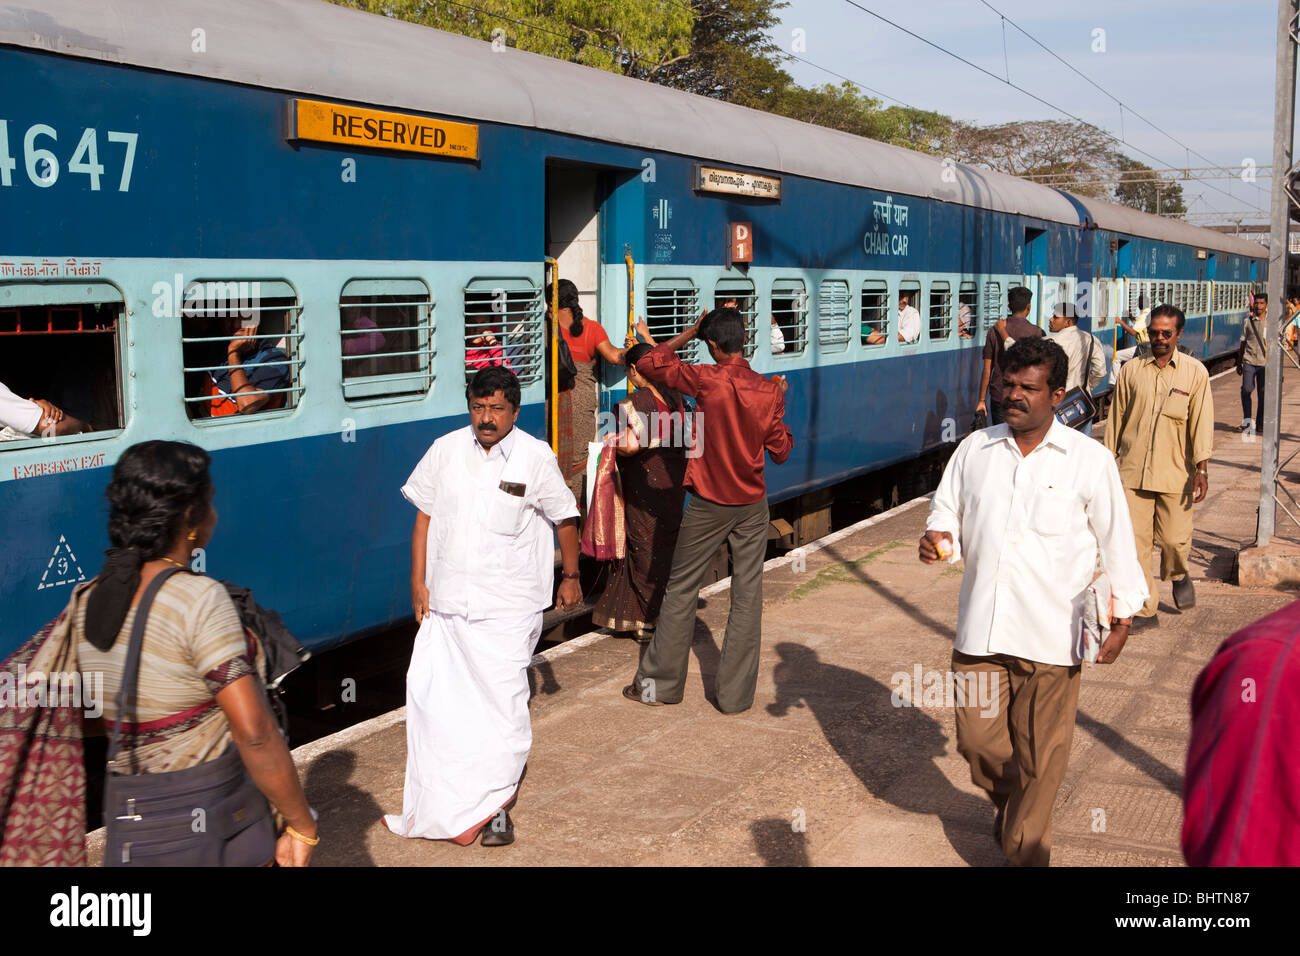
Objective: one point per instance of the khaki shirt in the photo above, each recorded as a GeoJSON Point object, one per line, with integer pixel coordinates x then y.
{"type": "Point", "coordinates": [1252, 333]}
{"type": "Point", "coordinates": [1161, 423]}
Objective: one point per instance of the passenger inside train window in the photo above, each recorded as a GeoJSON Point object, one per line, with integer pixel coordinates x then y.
{"type": "Point", "coordinates": [386, 331]}
{"type": "Point", "coordinates": [875, 313]}
{"type": "Point", "coordinates": [967, 309]}
{"type": "Point", "coordinates": [237, 364]}
{"type": "Point", "coordinates": [909, 319]}
{"type": "Point", "coordinates": [59, 369]}
{"type": "Point", "coordinates": [778, 338]}
{"type": "Point", "coordinates": [483, 346]}
{"type": "Point", "coordinates": [22, 418]}
{"type": "Point", "coordinates": [789, 320]}
{"type": "Point", "coordinates": [256, 372]}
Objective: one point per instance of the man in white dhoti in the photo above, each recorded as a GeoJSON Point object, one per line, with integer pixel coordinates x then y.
{"type": "Point", "coordinates": [482, 568]}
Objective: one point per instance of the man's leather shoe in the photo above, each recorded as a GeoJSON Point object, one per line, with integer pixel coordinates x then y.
{"type": "Point", "coordinates": [631, 693]}
{"type": "Point", "coordinates": [500, 830]}
{"type": "Point", "coordinates": [1184, 593]}
{"type": "Point", "coordinates": [1144, 623]}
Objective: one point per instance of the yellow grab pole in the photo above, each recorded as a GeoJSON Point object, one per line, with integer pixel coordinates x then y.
{"type": "Point", "coordinates": [631, 308]}
{"type": "Point", "coordinates": [555, 354]}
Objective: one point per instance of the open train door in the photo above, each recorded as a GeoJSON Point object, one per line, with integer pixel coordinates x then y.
{"type": "Point", "coordinates": [573, 230]}
{"type": "Point", "coordinates": [1035, 265]}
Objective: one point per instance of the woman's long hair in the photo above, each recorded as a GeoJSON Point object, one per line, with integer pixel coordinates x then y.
{"type": "Point", "coordinates": [672, 398]}
{"type": "Point", "coordinates": [568, 295]}
{"type": "Point", "coordinates": [157, 486]}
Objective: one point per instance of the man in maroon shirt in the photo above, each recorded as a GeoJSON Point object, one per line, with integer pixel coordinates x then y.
{"type": "Point", "coordinates": [1242, 791]}
{"type": "Point", "coordinates": [739, 414]}
{"type": "Point", "coordinates": [1001, 337]}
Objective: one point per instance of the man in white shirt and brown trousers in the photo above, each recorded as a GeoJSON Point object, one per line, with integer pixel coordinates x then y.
{"type": "Point", "coordinates": [482, 570]}
{"type": "Point", "coordinates": [1029, 505]}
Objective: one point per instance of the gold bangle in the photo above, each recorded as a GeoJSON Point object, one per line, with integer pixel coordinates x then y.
{"type": "Point", "coordinates": [310, 841]}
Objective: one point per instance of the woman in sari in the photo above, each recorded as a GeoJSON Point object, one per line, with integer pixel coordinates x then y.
{"type": "Point", "coordinates": [651, 471]}
{"type": "Point", "coordinates": [199, 696]}
{"type": "Point", "coordinates": [586, 339]}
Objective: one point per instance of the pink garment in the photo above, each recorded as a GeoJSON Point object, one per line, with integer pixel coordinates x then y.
{"type": "Point", "coordinates": [363, 344]}
{"type": "Point", "coordinates": [1242, 790]}
{"type": "Point", "coordinates": [604, 535]}
{"type": "Point", "coordinates": [477, 358]}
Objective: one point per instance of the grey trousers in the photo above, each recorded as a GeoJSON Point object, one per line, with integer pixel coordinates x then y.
{"type": "Point", "coordinates": [705, 525]}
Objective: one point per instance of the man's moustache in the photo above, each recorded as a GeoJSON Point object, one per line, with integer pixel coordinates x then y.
{"type": "Point", "coordinates": [1018, 406]}
{"type": "Point", "coordinates": [487, 428]}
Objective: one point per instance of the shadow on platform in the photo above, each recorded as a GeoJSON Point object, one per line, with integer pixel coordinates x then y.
{"type": "Point", "coordinates": [891, 750]}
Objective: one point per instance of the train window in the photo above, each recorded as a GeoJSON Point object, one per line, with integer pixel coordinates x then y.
{"type": "Point", "coordinates": [671, 306]}
{"type": "Point", "coordinates": [256, 320]}
{"type": "Point", "coordinates": [386, 328]}
{"type": "Point", "coordinates": [504, 322]}
{"type": "Point", "coordinates": [910, 334]}
{"type": "Point", "coordinates": [1098, 304]}
{"type": "Point", "coordinates": [833, 315]}
{"type": "Point", "coordinates": [875, 313]}
{"type": "Point", "coordinates": [992, 303]}
{"type": "Point", "coordinates": [740, 294]}
{"type": "Point", "coordinates": [940, 310]}
{"type": "Point", "coordinates": [61, 344]}
{"type": "Point", "coordinates": [968, 309]}
{"type": "Point", "coordinates": [790, 316]}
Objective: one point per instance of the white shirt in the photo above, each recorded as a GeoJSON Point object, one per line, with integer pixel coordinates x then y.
{"type": "Point", "coordinates": [909, 324]}
{"type": "Point", "coordinates": [1030, 528]}
{"type": "Point", "coordinates": [489, 553]}
{"type": "Point", "coordinates": [778, 340]}
{"type": "Point", "coordinates": [1074, 342]}
{"type": "Point", "coordinates": [18, 413]}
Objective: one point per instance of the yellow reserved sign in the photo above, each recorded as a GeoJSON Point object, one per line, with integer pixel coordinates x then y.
{"type": "Point", "coordinates": [378, 129]}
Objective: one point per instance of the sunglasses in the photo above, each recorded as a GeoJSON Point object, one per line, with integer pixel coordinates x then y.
{"type": "Point", "coordinates": [1162, 333]}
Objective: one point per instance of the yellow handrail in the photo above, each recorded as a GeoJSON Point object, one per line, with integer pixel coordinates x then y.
{"type": "Point", "coordinates": [555, 354]}
{"type": "Point", "coordinates": [631, 288]}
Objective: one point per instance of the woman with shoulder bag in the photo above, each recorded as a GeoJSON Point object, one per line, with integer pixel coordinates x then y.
{"type": "Point", "coordinates": [197, 741]}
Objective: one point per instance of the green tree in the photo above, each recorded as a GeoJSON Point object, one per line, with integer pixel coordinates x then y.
{"type": "Point", "coordinates": [1073, 155]}
{"type": "Point", "coordinates": [1141, 187]}
{"type": "Point", "coordinates": [636, 39]}
{"type": "Point", "coordinates": [722, 49]}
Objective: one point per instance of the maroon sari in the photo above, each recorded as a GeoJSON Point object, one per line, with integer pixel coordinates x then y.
{"type": "Point", "coordinates": [653, 494]}
{"type": "Point", "coordinates": [42, 774]}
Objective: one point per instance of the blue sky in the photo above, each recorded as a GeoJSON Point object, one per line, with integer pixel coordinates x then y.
{"type": "Point", "coordinates": [1201, 70]}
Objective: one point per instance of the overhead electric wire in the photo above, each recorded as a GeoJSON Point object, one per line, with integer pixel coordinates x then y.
{"type": "Point", "coordinates": [1029, 93]}
{"type": "Point", "coordinates": [1105, 92]}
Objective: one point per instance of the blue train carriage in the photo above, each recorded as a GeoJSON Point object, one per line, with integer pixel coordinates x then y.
{"type": "Point", "coordinates": [162, 195]}
{"type": "Point", "coordinates": [1137, 260]}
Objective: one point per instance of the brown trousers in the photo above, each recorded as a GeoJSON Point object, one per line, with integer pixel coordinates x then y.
{"type": "Point", "coordinates": [1164, 518]}
{"type": "Point", "coordinates": [1018, 749]}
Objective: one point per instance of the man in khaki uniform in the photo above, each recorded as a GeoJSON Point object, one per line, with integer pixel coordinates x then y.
{"type": "Point", "coordinates": [1161, 430]}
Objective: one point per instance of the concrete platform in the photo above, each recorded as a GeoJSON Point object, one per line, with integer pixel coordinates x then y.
{"type": "Point", "coordinates": [824, 770]}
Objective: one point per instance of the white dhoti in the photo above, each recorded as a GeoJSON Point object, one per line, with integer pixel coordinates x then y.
{"type": "Point", "coordinates": [468, 732]}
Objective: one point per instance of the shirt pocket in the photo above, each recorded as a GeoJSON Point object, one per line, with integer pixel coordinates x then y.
{"type": "Point", "coordinates": [1055, 511]}
{"type": "Point", "coordinates": [505, 513]}
{"type": "Point", "coordinates": [1175, 407]}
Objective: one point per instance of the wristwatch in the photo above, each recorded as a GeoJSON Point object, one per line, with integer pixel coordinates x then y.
{"type": "Point", "coordinates": [571, 577]}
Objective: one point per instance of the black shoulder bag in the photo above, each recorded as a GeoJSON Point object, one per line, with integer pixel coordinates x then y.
{"type": "Point", "coordinates": [209, 815]}
{"type": "Point", "coordinates": [1078, 407]}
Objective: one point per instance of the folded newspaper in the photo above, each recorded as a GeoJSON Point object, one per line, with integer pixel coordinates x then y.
{"type": "Point", "coordinates": [1095, 627]}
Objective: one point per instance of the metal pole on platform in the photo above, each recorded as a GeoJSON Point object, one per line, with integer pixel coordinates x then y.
{"type": "Point", "coordinates": [1283, 134]}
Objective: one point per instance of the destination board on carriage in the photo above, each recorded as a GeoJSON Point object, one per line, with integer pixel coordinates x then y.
{"type": "Point", "coordinates": [380, 129]}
